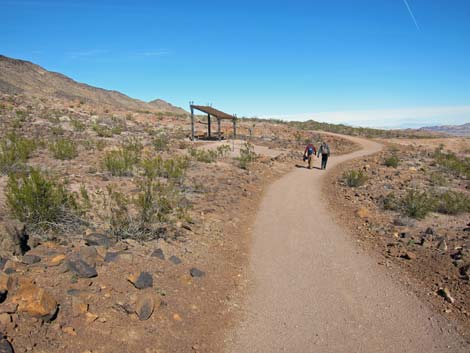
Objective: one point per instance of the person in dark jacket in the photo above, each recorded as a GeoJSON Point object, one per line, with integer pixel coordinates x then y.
{"type": "Point", "coordinates": [309, 153]}
{"type": "Point", "coordinates": [324, 151]}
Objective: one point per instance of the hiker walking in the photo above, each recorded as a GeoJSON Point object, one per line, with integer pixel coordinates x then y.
{"type": "Point", "coordinates": [309, 153]}
{"type": "Point", "coordinates": [324, 150]}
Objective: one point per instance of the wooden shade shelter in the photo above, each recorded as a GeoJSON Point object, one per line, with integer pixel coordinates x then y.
{"type": "Point", "coordinates": [217, 114]}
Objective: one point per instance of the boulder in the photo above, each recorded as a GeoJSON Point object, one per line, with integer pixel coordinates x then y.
{"type": "Point", "coordinates": [363, 213]}
{"type": "Point", "coordinates": [36, 302]}
{"type": "Point", "coordinates": [445, 293]}
{"type": "Point", "coordinates": [97, 239]}
{"type": "Point", "coordinates": [89, 254]}
{"type": "Point", "coordinates": [57, 260]}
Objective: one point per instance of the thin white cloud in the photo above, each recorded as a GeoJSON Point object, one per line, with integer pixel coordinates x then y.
{"type": "Point", "coordinates": [389, 118]}
{"type": "Point", "coordinates": [156, 53]}
{"type": "Point", "coordinates": [86, 53]}
{"type": "Point", "coordinates": [412, 14]}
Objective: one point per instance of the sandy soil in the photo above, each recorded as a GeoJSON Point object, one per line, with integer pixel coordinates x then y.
{"type": "Point", "coordinates": [312, 289]}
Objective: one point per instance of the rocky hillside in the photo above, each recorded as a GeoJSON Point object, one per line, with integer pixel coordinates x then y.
{"type": "Point", "coordinates": [455, 130]}
{"type": "Point", "coordinates": [23, 77]}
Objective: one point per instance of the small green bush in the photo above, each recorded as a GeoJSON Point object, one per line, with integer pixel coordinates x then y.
{"type": "Point", "coordinates": [40, 201]}
{"type": "Point", "coordinates": [102, 130]}
{"type": "Point", "coordinates": [173, 169]}
{"type": "Point", "coordinates": [390, 202]}
{"type": "Point", "coordinates": [392, 161]}
{"type": "Point", "coordinates": [452, 163]}
{"type": "Point", "coordinates": [355, 178]}
{"type": "Point", "coordinates": [161, 142]}
{"type": "Point", "coordinates": [438, 179]}
{"type": "Point", "coordinates": [451, 202]}
{"type": "Point", "coordinates": [205, 156]}
{"type": "Point", "coordinates": [247, 155]}
{"type": "Point", "coordinates": [121, 162]}
{"type": "Point", "coordinates": [14, 151]}
{"type": "Point", "coordinates": [64, 149]}
{"type": "Point", "coordinates": [78, 125]}
{"type": "Point", "coordinates": [417, 204]}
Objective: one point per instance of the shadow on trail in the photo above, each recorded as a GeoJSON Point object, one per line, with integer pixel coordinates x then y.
{"type": "Point", "coordinates": [305, 167]}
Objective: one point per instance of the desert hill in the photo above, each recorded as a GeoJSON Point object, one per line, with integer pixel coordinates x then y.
{"type": "Point", "coordinates": [23, 77]}
{"type": "Point", "coordinates": [455, 130]}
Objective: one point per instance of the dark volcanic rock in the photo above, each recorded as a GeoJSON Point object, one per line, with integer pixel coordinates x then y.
{"type": "Point", "coordinates": [195, 272]}
{"type": "Point", "coordinates": [5, 346]}
{"type": "Point", "coordinates": [111, 256]}
{"type": "Point", "coordinates": [175, 259]}
{"type": "Point", "coordinates": [81, 268]}
{"type": "Point", "coordinates": [144, 280]}
{"type": "Point", "coordinates": [159, 254]}
{"type": "Point", "coordinates": [144, 306]}
{"type": "Point", "coordinates": [97, 239]}
{"type": "Point", "coordinates": [31, 259]}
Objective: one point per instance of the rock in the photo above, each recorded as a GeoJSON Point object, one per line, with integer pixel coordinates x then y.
{"type": "Point", "coordinates": [175, 260]}
{"type": "Point", "coordinates": [97, 239]}
{"type": "Point", "coordinates": [145, 306]}
{"type": "Point", "coordinates": [78, 307]}
{"type": "Point", "coordinates": [465, 271]}
{"type": "Point", "coordinates": [36, 302]}
{"type": "Point", "coordinates": [31, 259]}
{"type": "Point", "coordinates": [442, 246]}
{"type": "Point", "coordinates": [8, 308]}
{"type": "Point", "coordinates": [89, 255]}
{"type": "Point", "coordinates": [5, 346]}
{"type": "Point", "coordinates": [408, 255]}
{"type": "Point", "coordinates": [81, 268]}
{"type": "Point", "coordinates": [363, 212]}
{"type": "Point", "coordinates": [5, 285]}
{"type": "Point", "coordinates": [90, 317]}
{"type": "Point", "coordinates": [177, 317]}
{"type": "Point", "coordinates": [195, 272]}
{"type": "Point", "coordinates": [142, 281]}
{"type": "Point", "coordinates": [3, 261]}
{"type": "Point", "coordinates": [158, 253]}
{"type": "Point", "coordinates": [13, 238]}
{"type": "Point", "coordinates": [5, 320]}
{"type": "Point", "coordinates": [445, 293]}
{"type": "Point", "coordinates": [404, 222]}
{"type": "Point", "coordinates": [57, 260]}
{"type": "Point", "coordinates": [111, 256]}
{"type": "Point", "coordinates": [69, 330]}
{"type": "Point", "coordinates": [429, 231]}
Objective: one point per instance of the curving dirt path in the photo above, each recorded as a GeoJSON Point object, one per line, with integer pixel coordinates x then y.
{"type": "Point", "coordinates": [313, 290]}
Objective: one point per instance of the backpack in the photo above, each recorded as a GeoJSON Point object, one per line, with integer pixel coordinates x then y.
{"type": "Point", "coordinates": [310, 150]}
{"type": "Point", "coordinates": [325, 149]}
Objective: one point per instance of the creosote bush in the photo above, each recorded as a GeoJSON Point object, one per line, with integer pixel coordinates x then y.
{"type": "Point", "coordinates": [173, 169]}
{"type": "Point", "coordinates": [63, 149]}
{"type": "Point", "coordinates": [417, 204]}
{"type": "Point", "coordinates": [121, 162]}
{"type": "Point", "coordinates": [161, 142]}
{"type": "Point", "coordinates": [14, 151]}
{"type": "Point", "coordinates": [355, 178]}
{"type": "Point", "coordinates": [392, 161]}
{"type": "Point", "coordinates": [40, 201]}
{"type": "Point", "coordinates": [209, 156]}
{"type": "Point", "coordinates": [451, 163]}
{"type": "Point", "coordinates": [247, 155]}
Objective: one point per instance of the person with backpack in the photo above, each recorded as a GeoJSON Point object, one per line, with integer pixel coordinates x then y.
{"type": "Point", "coordinates": [309, 153]}
{"type": "Point", "coordinates": [324, 150]}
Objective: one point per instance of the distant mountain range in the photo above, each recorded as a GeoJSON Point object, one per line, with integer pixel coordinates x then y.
{"type": "Point", "coordinates": [24, 77]}
{"type": "Point", "coordinates": [455, 130]}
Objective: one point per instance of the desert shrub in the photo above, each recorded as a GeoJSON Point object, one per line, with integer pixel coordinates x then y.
{"type": "Point", "coordinates": [452, 163]}
{"type": "Point", "coordinates": [63, 149]}
{"type": "Point", "coordinates": [14, 151]}
{"type": "Point", "coordinates": [200, 155]}
{"type": "Point", "coordinates": [354, 178]}
{"type": "Point", "coordinates": [247, 155]}
{"type": "Point", "coordinates": [417, 204]}
{"type": "Point", "coordinates": [57, 130]}
{"type": "Point", "coordinates": [392, 161]}
{"type": "Point", "coordinates": [121, 162]}
{"type": "Point", "coordinates": [391, 202]}
{"type": "Point", "coordinates": [78, 125]}
{"type": "Point", "coordinates": [40, 201]}
{"type": "Point", "coordinates": [102, 130]}
{"type": "Point", "coordinates": [451, 202]}
{"type": "Point", "coordinates": [438, 179]}
{"type": "Point", "coordinates": [161, 142]}
{"type": "Point", "coordinates": [173, 169]}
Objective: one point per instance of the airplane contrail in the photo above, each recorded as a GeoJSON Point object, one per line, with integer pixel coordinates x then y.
{"type": "Point", "coordinates": [411, 14]}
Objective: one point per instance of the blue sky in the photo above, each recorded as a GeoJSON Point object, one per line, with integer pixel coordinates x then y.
{"type": "Point", "coordinates": [363, 62]}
